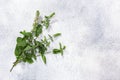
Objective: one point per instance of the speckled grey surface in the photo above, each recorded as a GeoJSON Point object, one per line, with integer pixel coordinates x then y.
{"type": "Point", "coordinates": [90, 30]}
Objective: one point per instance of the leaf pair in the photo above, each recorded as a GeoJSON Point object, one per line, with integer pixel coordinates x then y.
{"type": "Point", "coordinates": [60, 50]}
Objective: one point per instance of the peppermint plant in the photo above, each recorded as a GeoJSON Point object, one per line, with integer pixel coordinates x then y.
{"type": "Point", "coordinates": [34, 44]}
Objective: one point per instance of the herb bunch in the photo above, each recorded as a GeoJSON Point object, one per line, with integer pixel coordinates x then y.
{"type": "Point", "coordinates": [28, 47]}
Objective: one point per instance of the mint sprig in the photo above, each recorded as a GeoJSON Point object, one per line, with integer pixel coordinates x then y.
{"type": "Point", "coordinates": [30, 46]}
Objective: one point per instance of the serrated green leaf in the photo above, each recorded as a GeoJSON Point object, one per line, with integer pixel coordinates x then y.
{"type": "Point", "coordinates": [56, 35]}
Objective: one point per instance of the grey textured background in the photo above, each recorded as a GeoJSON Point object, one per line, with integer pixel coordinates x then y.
{"type": "Point", "coordinates": [90, 30]}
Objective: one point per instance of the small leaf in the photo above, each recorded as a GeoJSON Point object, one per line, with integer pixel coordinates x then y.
{"type": "Point", "coordinates": [48, 44]}
{"type": "Point", "coordinates": [43, 58]}
{"type": "Point", "coordinates": [64, 47]}
{"type": "Point", "coordinates": [50, 38]}
{"type": "Point", "coordinates": [61, 49]}
{"type": "Point", "coordinates": [27, 48]}
{"type": "Point", "coordinates": [47, 23]}
{"type": "Point", "coordinates": [57, 34]}
{"type": "Point", "coordinates": [38, 30]}
{"type": "Point", "coordinates": [45, 39]}
{"type": "Point", "coordinates": [51, 15]}
{"type": "Point", "coordinates": [56, 51]}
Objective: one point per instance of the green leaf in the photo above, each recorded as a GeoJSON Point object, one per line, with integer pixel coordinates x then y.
{"type": "Point", "coordinates": [37, 13]}
{"type": "Point", "coordinates": [28, 48]}
{"type": "Point", "coordinates": [21, 42]}
{"type": "Point", "coordinates": [56, 35]}
{"type": "Point", "coordinates": [61, 49]}
{"type": "Point", "coordinates": [51, 15]}
{"type": "Point", "coordinates": [47, 23]}
{"type": "Point", "coordinates": [18, 50]}
{"type": "Point", "coordinates": [43, 58]}
{"type": "Point", "coordinates": [45, 41]}
{"type": "Point", "coordinates": [56, 51]}
{"type": "Point", "coordinates": [51, 38]}
{"type": "Point", "coordinates": [48, 44]}
{"type": "Point", "coordinates": [64, 47]}
{"type": "Point", "coordinates": [38, 30]}
{"type": "Point", "coordinates": [42, 48]}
